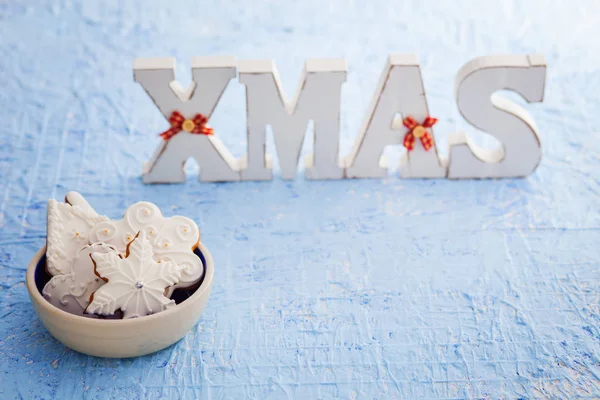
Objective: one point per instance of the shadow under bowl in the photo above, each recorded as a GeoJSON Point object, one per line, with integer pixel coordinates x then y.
{"type": "Point", "coordinates": [120, 338]}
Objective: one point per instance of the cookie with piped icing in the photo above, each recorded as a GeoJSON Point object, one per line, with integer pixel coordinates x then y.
{"type": "Point", "coordinates": [72, 292]}
{"type": "Point", "coordinates": [136, 284]}
{"type": "Point", "coordinates": [172, 239]}
{"type": "Point", "coordinates": [69, 227]}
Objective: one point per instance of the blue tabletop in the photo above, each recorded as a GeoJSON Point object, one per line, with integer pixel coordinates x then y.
{"type": "Point", "coordinates": [353, 289]}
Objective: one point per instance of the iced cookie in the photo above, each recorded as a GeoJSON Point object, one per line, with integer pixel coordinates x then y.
{"type": "Point", "coordinates": [69, 229]}
{"type": "Point", "coordinates": [135, 284]}
{"type": "Point", "coordinates": [172, 239]}
{"type": "Point", "coordinates": [72, 292]}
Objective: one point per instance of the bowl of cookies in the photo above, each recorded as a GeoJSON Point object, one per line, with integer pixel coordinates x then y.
{"type": "Point", "coordinates": [119, 288]}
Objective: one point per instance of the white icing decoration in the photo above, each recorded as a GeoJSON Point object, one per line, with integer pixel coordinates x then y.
{"type": "Point", "coordinates": [151, 230]}
{"type": "Point", "coordinates": [68, 229]}
{"type": "Point", "coordinates": [173, 237]}
{"type": "Point", "coordinates": [105, 231]}
{"type": "Point", "coordinates": [136, 284]}
{"type": "Point", "coordinates": [145, 214]}
{"type": "Point", "coordinates": [72, 292]}
{"type": "Point", "coordinates": [78, 235]}
{"type": "Point", "coordinates": [184, 232]}
{"type": "Point", "coordinates": [164, 243]}
{"type": "Point", "coordinates": [58, 292]}
{"type": "Point", "coordinates": [127, 238]}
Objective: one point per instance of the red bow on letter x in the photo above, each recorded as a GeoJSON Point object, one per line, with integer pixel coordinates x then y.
{"type": "Point", "coordinates": [417, 131]}
{"type": "Point", "coordinates": [179, 123]}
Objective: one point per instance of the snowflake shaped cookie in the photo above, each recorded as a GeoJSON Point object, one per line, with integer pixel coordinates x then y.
{"type": "Point", "coordinates": [135, 284]}
{"type": "Point", "coordinates": [69, 229]}
{"type": "Point", "coordinates": [172, 239]}
{"type": "Point", "coordinates": [72, 292]}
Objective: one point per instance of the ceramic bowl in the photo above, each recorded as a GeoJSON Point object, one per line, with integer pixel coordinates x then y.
{"type": "Point", "coordinates": [120, 338]}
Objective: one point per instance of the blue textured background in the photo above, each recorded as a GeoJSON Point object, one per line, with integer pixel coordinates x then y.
{"type": "Point", "coordinates": [356, 289]}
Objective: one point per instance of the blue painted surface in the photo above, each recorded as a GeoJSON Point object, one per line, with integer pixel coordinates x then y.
{"type": "Point", "coordinates": [351, 289]}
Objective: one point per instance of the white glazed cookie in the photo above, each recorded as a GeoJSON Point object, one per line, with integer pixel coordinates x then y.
{"type": "Point", "coordinates": [59, 291]}
{"type": "Point", "coordinates": [135, 284]}
{"type": "Point", "coordinates": [69, 229]}
{"type": "Point", "coordinates": [72, 292]}
{"type": "Point", "coordinates": [172, 239]}
{"type": "Point", "coordinates": [83, 266]}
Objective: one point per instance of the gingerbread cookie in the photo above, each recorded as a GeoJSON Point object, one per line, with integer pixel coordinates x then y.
{"type": "Point", "coordinates": [172, 239]}
{"type": "Point", "coordinates": [69, 229]}
{"type": "Point", "coordinates": [135, 284]}
{"type": "Point", "coordinates": [72, 292]}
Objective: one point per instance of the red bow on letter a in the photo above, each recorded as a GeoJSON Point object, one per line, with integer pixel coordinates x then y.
{"type": "Point", "coordinates": [418, 131]}
{"type": "Point", "coordinates": [179, 123]}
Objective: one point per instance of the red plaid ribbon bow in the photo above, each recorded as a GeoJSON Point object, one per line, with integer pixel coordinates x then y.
{"type": "Point", "coordinates": [179, 123]}
{"type": "Point", "coordinates": [418, 131]}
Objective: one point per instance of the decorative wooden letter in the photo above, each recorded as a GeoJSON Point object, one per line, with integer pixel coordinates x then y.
{"type": "Point", "coordinates": [210, 78]}
{"type": "Point", "coordinates": [400, 91]}
{"type": "Point", "coordinates": [476, 83]}
{"type": "Point", "coordinates": [317, 99]}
